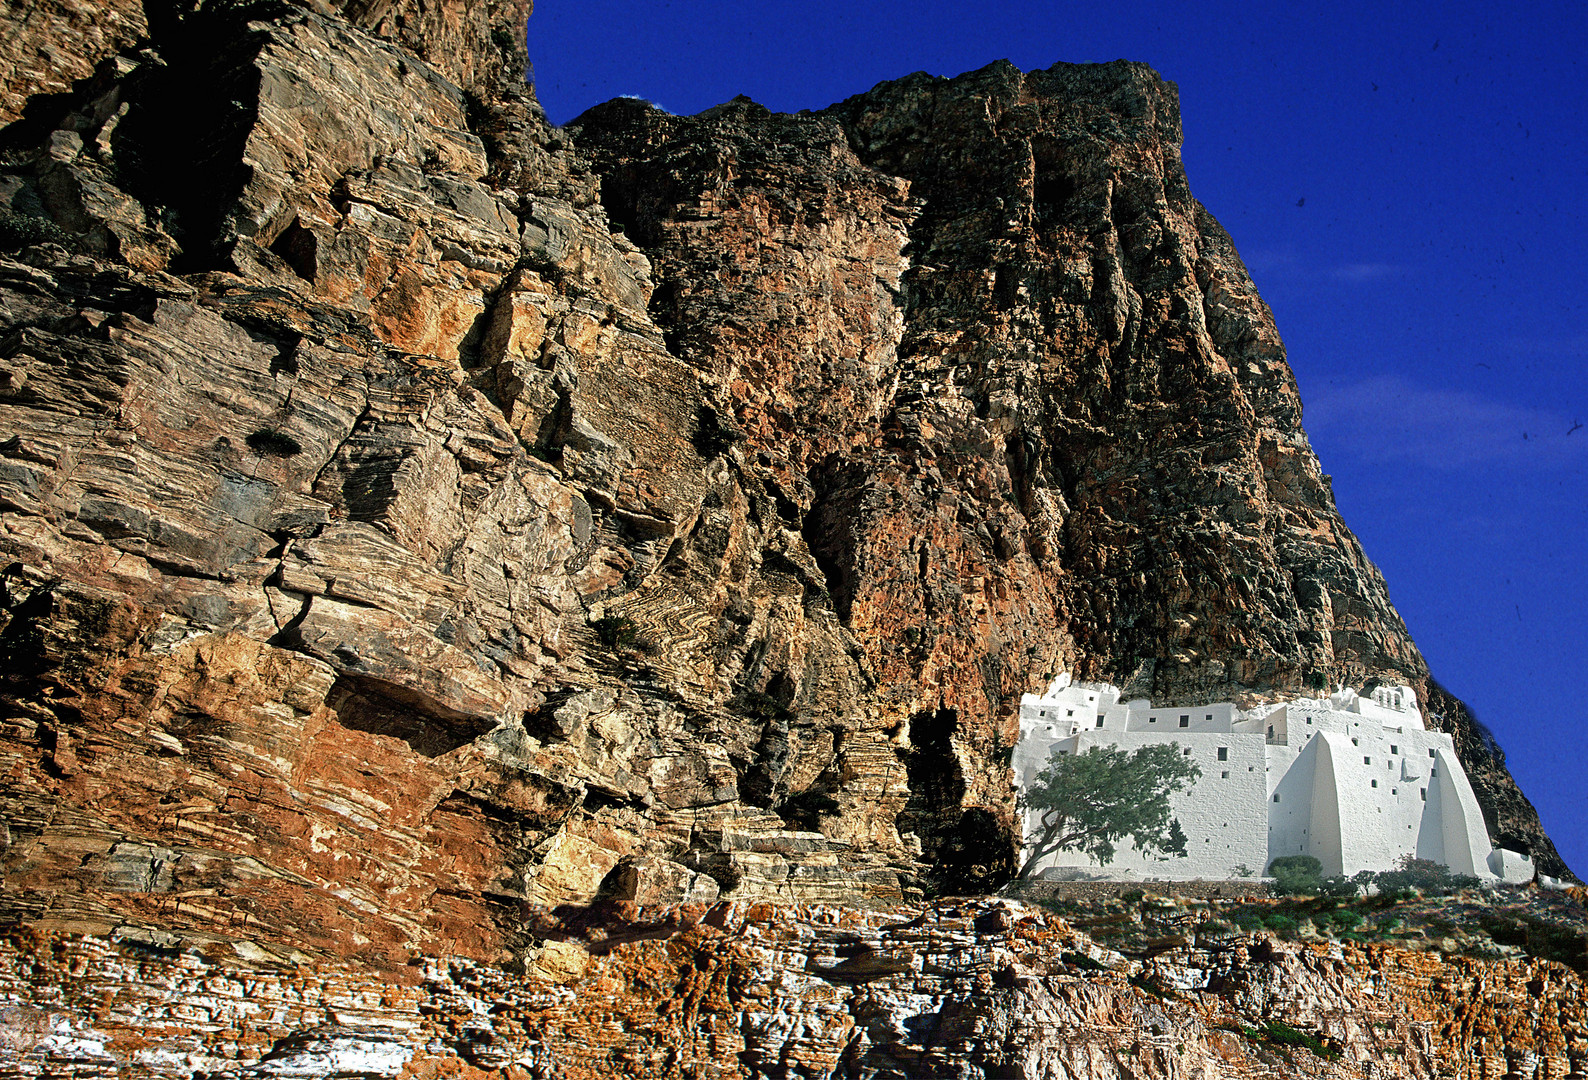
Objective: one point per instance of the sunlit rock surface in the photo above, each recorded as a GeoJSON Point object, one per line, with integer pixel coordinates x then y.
{"type": "Point", "coordinates": [415, 518]}
{"type": "Point", "coordinates": [963, 989]}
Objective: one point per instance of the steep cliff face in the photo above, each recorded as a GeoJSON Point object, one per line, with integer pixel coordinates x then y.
{"type": "Point", "coordinates": [413, 516]}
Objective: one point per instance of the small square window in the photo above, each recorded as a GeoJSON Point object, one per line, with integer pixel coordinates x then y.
{"type": "Point", "coordinates": [1225, 775]}
{"type": "Point", "coordinates": [1152, 719]}
{"type": "Point", "coordinates": [1188, 751]}
{"type": "Point", "coordinates": [1367, 761]}
{"type": "Point", "coordinates": [1209, 716]}
{"type": "Point", "coordinates": [1276, 796]}
{"type": "Point", "coordinates": [1430, 751]}
{"type": "Point", "coordinates": [1224, 753]}
{"type": "Point", "coordinates": [1069, 712]}
{"type": "Point", "coordinates": [1433, 773]}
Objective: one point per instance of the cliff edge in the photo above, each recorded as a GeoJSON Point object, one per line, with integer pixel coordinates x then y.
{"type": "Point", "coordinates": [415, 517]}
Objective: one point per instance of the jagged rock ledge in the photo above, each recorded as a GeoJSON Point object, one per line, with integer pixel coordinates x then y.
{"type": "Point", "coordinates": [963, 988]}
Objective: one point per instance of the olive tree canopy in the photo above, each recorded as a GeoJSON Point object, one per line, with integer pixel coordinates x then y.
{"type": "Point", "coordinates": [1086, 802]}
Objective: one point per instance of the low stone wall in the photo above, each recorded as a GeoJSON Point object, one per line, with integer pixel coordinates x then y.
{"type": "Point", "coordinates": [1233, 889]}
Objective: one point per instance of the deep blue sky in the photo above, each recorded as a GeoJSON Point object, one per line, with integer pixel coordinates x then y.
{"type": "Point", "coordinates": [1430, 289]}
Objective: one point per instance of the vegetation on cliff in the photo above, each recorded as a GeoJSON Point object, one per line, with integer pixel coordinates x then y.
{"type": "Point", "coordinates": [1086, 802]}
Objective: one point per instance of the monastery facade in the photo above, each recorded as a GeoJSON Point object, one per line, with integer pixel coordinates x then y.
{"type": "Point", "coordinates": [1354, 781]}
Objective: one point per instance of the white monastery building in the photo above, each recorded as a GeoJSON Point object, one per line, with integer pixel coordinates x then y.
{"type": "Point", "coordinates": [1354, 781]}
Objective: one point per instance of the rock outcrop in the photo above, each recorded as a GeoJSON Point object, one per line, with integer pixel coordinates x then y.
{"type": "Point", "coordinates": [414, 517]}
{"type": "Point", "coordinates": [972, 989]}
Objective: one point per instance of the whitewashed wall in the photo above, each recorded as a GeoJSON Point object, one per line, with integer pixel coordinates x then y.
{"type": "Point", "coordinates": [1356, 782]}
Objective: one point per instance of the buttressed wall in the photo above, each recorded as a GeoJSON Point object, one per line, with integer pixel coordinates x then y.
{"type": "Point", "coordinates": [1357, 783]}
{"type": "Point", "coordinates": [413, 515]}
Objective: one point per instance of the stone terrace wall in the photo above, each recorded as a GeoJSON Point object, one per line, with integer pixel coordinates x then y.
{"type": "Point", "coordinates": [1235, 888]}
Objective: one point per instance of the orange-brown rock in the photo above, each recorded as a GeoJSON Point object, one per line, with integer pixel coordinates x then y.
{"type": "Point", "coordinates": [415, 519]}
{"type": "Point", "coordinates": [971, 989]}
{"type": "Point", "coordinates": [47, 45]}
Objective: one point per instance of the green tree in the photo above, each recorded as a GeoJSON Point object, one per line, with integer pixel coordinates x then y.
{"type": "Point", "coordinates": [1086, 802]}
{"type": "Point", "coordinates": [1175, 844]}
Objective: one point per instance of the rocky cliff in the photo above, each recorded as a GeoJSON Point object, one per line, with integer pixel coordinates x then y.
{"type": "Point", "coordinates": [413, 516]}
{"type": "Point", "coordinates": [972, 990]}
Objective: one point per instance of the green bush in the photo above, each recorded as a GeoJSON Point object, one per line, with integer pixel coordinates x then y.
{"type": "Point", "coordinates": [1248, 920]}
{"type": "Point", "coordinates": [1297, 875]}
{"type": "Point", "coordinates": [18, 231]}
{"type": "Point", "coordinates": [1413, 875]}
{"type": "Point", "coordinates": [1281, 924]}
{"type": "Point", "coordinates": [1277, 1031]}
{"type": "Point", "coordinates": [1345, 919]}
{"type": "Point", "coordinates": [1280, 1034]}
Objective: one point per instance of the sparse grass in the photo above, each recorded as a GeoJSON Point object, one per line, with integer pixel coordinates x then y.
{"type": "Point", "coordinates": [1082, 961]}
{"type": "Point", "coordinates": [1280, 1035]}
{"type": "Point", "coordinates": [1547, 926]}
{"type": "Point", "coordinates": [1151, 986]}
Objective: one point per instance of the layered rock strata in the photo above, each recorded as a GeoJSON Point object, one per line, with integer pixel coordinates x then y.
{"type": "Point", "coordinates": [973, 989]}
{"type": "Point", "coordinates": [412, 515]}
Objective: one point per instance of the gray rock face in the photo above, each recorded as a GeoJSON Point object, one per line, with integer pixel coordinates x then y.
{"type": "Point", "coordinates": [413, 517]}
